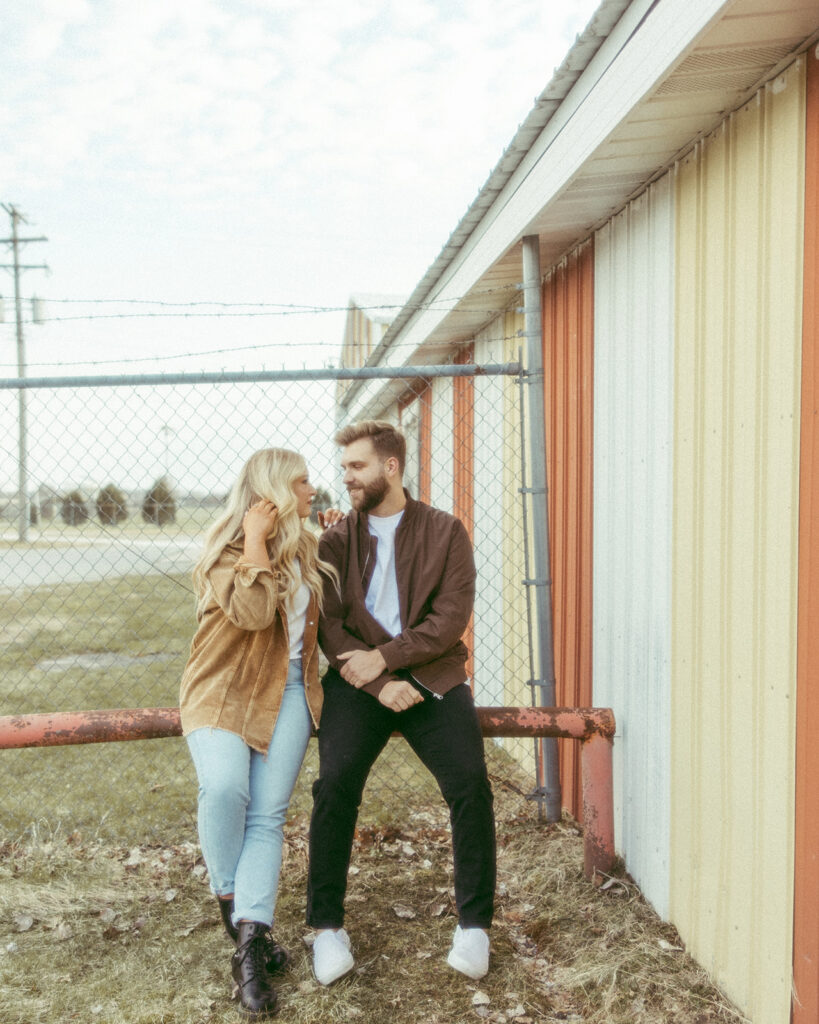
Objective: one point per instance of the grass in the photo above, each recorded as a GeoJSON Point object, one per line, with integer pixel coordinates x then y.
{"type": "Point", "coordinates": [128, 933]}
{"type": "Point", "coordinates": [105, 913]}
{"type": "Point", "coordinates": [134, 618]}
{"type": "Point", "coordinates": [121, 789]}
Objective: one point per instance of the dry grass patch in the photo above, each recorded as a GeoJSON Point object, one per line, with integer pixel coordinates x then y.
{"type": "Point", "coordinates": [96, 932]}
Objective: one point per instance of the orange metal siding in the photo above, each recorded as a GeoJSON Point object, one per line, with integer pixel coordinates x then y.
{"type": "Point", "coordinates": [806, 882]}
{"type": "Point", "coordinates": [568, 336]}
{"type": "Point", "coordinates": [463, 469]}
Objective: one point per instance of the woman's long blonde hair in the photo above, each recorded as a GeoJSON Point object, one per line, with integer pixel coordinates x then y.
{"type": "Point", "coordinates": [269, 474]}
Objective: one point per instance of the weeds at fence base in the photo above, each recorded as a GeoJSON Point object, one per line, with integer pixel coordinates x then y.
{"type": "Point", "coordinates": [94, 931]}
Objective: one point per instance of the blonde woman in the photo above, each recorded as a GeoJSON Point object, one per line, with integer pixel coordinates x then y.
{"type": "Point", "coordinates": [249, 695]}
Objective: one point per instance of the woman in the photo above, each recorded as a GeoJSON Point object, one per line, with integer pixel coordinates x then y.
{"type": "Point", "coordinates": [249, 694]}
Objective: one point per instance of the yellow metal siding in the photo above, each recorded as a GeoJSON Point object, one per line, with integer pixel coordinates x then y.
{"type": "Point", "coordinates": [739, 235]}
{"type": "Point", "coordinates": [516, 653]}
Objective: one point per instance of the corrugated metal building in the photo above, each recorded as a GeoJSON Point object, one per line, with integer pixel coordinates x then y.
{"type": "Point", "coordinates": [671, 171]}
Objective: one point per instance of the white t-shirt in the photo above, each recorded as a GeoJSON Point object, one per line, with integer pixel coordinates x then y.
{"type": "Point", "coordinates": [382, 594]}
{"type": "Point", "coordinates": [296, 609]}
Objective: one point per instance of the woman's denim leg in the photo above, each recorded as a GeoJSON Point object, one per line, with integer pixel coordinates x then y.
{"type": "Point", "coordinates": [271, 785]}
{"type": "Point", "coordinates": [222, 762]}
{"type": "Point", "coordinates": [243, 799]}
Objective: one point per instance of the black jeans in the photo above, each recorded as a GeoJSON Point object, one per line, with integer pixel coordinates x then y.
{"type": "Point", "coordinates": [446, 736]}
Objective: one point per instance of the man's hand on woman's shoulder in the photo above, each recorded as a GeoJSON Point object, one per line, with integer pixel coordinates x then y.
{"type": "Point", "coordinates": [329, 517]}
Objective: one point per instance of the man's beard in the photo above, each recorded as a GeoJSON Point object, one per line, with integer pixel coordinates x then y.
{"type": "Point", "coordinates": [371, 495]}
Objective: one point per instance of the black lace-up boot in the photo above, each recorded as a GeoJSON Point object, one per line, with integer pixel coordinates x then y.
{"type": "Point", "coordinates": [249, 969]}
{"type": "Point", "coordinates": [277, 956]}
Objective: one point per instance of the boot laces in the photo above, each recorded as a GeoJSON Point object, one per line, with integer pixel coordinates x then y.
{"type": "Point", "coordinates": [256, 951]}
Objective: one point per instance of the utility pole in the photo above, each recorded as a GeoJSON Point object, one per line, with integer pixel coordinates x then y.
{"type": "Point", "coordinates": [16, 267]}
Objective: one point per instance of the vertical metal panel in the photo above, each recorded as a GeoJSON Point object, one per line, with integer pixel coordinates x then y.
{"type": "Point", "coordinates": [806, 881]}
{"type": "Point", "coordinates": [440, 448]}
{"type": "Point", "coordinates": [489, 530]}
{"type": "Point", "coordinates": [633, 401]}
{"type": "Point", "coordinates": [424, 403]}
{"type": "Point", "coordinates": [501, 651]}
{"type": "Point", "coordinates": [737, 350]}
{"type": "Point", "coordinates": [463, 469]}
{"type": "Point", "coordinates": [516, 657]}
{"type": "Point", "coordinates": [416, 422]}
{"type": "Point", "coordinates": [568, 331]}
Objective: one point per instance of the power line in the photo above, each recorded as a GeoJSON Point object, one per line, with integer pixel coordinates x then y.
{"type": "Point", "coordinates": [16, 267]}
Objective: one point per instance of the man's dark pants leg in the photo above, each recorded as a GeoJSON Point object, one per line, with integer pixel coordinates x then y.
{"type": "Point", "coordinates": [446, 736]}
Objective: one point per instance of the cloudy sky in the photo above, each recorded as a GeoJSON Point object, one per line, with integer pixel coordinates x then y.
{"type": "Point", "coordinates": [279, 154]}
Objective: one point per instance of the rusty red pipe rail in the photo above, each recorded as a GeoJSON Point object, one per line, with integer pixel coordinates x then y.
{"type": "Point", "coordinates": [593, 727]}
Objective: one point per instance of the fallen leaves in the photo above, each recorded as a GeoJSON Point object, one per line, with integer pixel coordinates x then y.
{"type": "Point", "coordinates": [557, 945]}
{"type": "Point", "coordinates": [134, 859]}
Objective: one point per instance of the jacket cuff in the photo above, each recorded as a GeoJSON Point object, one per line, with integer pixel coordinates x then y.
{"type": "Point", "coordinates": [377, 685]}
{"type": "Point", "coordinates": [247, 571]}
{"type": "Point", "coordinates": [389, 652]}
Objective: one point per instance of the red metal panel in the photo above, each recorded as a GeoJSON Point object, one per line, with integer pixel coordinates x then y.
{"type": "Point", "coordinates": [568, 335]}
{"type": "Point", "coordinates": [806, 881]}
{"type": "Point", "coordinates": [463, 454]}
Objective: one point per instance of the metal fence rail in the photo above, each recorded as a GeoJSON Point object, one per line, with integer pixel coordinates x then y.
{"type": "Point", "coordinates": [593, 727]}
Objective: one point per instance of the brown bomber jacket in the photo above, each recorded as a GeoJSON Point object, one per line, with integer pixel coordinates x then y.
{"type": "Point", "coordinates": [435, 570]}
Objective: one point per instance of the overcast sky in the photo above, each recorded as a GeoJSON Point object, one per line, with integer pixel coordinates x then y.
{"type": "Point", "coordinates": [280, 152]}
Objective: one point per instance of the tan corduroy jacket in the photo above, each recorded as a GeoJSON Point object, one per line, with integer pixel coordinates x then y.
{"type": "Point", "coordinates": [237, 669]}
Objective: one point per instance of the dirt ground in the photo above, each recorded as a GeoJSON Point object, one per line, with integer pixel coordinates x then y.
{"type": "Point", "coordinates": [92, 931]}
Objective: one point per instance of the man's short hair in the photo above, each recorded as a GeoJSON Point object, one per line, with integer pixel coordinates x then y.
{"type": "Point", "coordinates": [387, 440]}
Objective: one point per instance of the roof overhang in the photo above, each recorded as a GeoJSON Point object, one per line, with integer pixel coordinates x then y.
{"type": "Point", "coordinates": [641, 86]}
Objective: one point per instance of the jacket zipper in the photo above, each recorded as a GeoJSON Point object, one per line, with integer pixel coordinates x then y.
{"type": "Point", "coordinates": [437, 696]}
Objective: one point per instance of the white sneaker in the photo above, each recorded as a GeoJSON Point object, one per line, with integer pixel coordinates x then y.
{"type": "Point", "coordinates": [470, 952]}
{"type": "Point", "coordinates": [332, 958]}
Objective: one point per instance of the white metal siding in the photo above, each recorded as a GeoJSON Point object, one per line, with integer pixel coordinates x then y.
{"type": "Point", "coordinates": [633, 377]}
{"type": "Point", "coordinates": [441, 451]}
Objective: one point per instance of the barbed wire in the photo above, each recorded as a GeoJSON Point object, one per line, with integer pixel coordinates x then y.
{"type": "Point", "coordinates": [233, 350]}
{"type": "Point", "coordinates": [304, 307]}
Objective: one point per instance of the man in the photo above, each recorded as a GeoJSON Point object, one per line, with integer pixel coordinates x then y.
{"type": "Point", "coordinates": [392, 635]}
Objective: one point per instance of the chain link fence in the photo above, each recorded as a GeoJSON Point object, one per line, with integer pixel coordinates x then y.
{"type": "Point", "coordinates": [121, 482]}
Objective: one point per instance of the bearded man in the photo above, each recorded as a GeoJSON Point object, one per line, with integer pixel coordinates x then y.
{"type": "Point", "coordinates": [392, 635]}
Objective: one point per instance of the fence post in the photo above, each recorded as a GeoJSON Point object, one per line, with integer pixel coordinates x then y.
{"type": "Point", "coordinates": [598, 804]}
{"type": "Point", "coordinates": [542, 581]}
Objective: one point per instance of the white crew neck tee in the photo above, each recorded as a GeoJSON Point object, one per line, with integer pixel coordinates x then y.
{"type": "Point", "coordinates": [382, 594]}
{"type": "Point", "coordinates": [296, 609]}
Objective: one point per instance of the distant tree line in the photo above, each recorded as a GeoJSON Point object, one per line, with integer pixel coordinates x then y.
{"type": "Point", "coordinates": [111, 506]}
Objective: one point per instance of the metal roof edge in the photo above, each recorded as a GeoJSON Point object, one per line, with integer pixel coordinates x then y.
{"type": "Point", "coordinates": [577, 59]}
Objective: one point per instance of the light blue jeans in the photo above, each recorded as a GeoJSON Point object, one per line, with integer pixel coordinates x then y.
{"type": "Point", "coordinates": [243, 798]}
